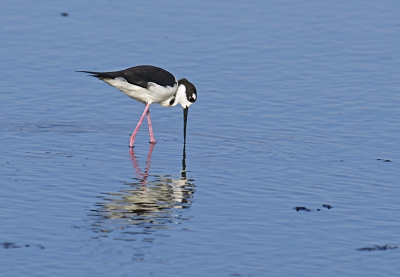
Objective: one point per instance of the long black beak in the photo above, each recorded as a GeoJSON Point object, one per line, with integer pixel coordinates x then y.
{"type": "Point", "coordinates": [185, 115]}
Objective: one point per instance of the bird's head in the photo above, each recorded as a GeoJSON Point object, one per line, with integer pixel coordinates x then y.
{"type": "Point", "coordinates": [186, 94]}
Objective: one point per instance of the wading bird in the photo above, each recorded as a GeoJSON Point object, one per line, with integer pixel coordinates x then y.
{"type": "Point", "coordinates": [149, 84]}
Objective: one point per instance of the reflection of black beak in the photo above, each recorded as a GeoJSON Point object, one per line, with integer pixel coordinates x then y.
{"type": "Point", "coordinates": [183, 173]}
{"type": "Point", "coordinates": [185, 115]}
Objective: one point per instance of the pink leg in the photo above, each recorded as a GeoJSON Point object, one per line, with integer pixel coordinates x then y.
{"type": "Point", "coordinates": [146, 110]}
{"type": "Point", "coordinates": [152, 140]}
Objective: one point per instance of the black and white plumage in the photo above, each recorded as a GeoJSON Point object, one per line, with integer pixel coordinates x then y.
{"type": "Point", "coordinates": [149, 84]}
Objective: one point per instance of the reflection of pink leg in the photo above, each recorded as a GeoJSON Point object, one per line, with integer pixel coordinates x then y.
{"type": "Point", "coordinates": [148, 162]}
{"type": "Point", "coordinates": [152, 140]}
{"type": "Point", "coordinates": [135, 163]}
{"type": "Point", "coordinates": [138, 125]}
{"type": "Point", "coordinates": [139, 175]}
{"type": "Point", "coordinates": [149, 157]}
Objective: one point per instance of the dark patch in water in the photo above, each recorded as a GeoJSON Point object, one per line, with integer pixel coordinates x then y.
{"type": "Point", "coordinates": [384, 160]}
{"type": "Point", "coordinates": [300, 208]}
{"type": "Point", "coordinates": [10, 245]}
{"type": "Point", "coordinates": [64, 14]}
{"type": "Point", "coordinates": [377, 247]}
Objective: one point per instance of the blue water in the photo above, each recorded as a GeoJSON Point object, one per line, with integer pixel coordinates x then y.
{"type": "Point", "coordinates": [291, 167]}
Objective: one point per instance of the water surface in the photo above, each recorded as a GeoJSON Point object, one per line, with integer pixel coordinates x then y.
{"type": "Point", "coordinates": [291, 164]}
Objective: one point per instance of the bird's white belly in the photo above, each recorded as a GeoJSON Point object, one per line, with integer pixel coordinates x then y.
{"type": "Point", "coordinates": [153, 94]}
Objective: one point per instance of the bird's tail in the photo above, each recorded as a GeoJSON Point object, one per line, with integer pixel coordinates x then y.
{"type": "Point", "coordinates": [93, 74]}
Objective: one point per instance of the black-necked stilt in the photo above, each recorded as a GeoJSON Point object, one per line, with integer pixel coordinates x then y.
{"type": "Point", "coordinates": [149, 84]}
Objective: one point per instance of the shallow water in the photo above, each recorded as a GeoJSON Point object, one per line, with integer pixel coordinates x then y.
{"type": "Point", "coordinates": [291, 164]}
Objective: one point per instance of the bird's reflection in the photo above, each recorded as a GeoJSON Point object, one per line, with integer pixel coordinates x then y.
{"type": "Point", "coordinates": [150, 203]}
{"type": "Point", "coordinates": [139, 175]}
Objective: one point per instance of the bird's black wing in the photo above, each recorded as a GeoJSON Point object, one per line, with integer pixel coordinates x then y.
{"type": "Point", "coordinates": [139, 75]}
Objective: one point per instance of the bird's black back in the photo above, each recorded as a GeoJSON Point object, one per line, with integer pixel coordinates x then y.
{"type": "Point", "coordinates": [139, 75]}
